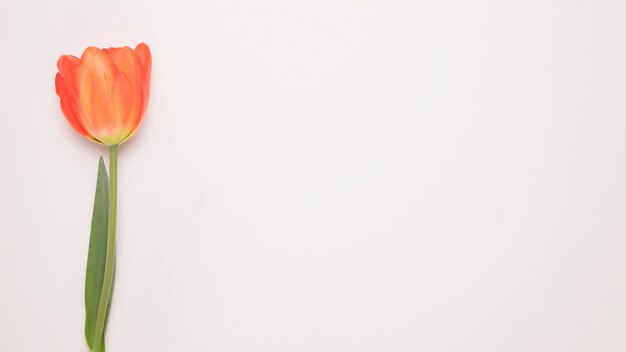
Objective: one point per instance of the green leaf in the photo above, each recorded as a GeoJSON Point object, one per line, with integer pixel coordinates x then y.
{"type": "Point", "coordinates": [97, 255]}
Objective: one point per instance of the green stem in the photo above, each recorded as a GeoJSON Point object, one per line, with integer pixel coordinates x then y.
{"type": "Point", "coordinates": [109, 265]}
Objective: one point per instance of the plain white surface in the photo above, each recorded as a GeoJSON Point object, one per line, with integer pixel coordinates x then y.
{"type": "Point", "coordinates": [327, 176]}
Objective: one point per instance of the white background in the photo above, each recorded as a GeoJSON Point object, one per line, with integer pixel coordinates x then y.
{"type": "Point", "coordinates": [327, 176]}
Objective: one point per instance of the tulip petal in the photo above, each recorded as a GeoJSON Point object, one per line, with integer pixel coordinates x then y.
{"type": "Point", "coordinates": [128, 63]}
{"type": "Point", "coordinates": [66, 106]}
{"type": "Point", "coordinates": [63, 81]}
{"type": "Point", "coordinates": [103, 95]}
{"type": "Point", "coordinates": [145, 57]}
{"type": "Point", "coordinates": [67, 66]}
{"type": "Point", "coordinates": [143, 53]}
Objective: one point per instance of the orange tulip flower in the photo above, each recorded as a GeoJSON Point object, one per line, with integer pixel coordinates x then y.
{"type": "Point", "coordinates": [104, 94]}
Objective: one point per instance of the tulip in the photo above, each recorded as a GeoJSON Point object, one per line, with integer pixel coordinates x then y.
{"type": "Point", "coordinates": [104, 96]}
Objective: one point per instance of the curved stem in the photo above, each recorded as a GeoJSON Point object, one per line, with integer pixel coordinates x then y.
{"type": "Point", "coordinates": [109, 265]}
